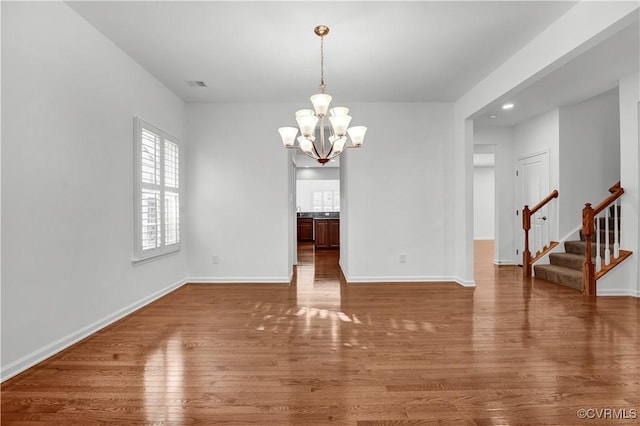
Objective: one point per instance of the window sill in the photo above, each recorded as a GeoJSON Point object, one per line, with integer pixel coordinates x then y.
{"type": "Point", "coordinates": [155, 256]}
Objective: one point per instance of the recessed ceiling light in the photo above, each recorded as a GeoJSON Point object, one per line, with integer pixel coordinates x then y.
{"type": "Point", "coordinates": [492, 116]}
{"type": "Point", "coordinates": [507, 106]}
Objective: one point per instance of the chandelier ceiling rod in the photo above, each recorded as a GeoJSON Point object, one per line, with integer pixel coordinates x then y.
{"type": "Point", "coordinates": [321, 31]}
{"type": "Point", "coordinates": [308, 120]}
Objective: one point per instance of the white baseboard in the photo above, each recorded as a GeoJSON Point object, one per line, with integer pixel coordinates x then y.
{"type": "Point", "coordinates": [53, 348]}
{"type": "Point", "coordinates": [618, 292]}
{"type": "Point", "coordinates": [464, 283]}
{"type": "Point", "coordinates": [574, 234]}
{"type": "Point", "coordinates": [500, 262]}
{"type": "Point", "coordinates": [238, 280]}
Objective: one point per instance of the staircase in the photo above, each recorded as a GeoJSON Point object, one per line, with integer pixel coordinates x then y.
{"type": "Point", "coordinates": [566, 268]}
{"type": "Point", "coordinates": [588, 259]}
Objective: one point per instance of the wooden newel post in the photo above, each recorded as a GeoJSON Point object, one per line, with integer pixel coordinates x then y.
{"type": "Point", "coordinates": [588, 272]}
{"type": "Point", "coordinates": [526, 254]}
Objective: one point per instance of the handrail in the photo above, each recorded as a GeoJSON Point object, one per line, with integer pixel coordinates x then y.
{"type": "Point", "coordinates": [616, 192]}
{"type": "Point", "coordinates": [526, 226]}
{"type": "Point", "coordinates": [542, 203]}
{"type": "Point", "coordinates": [588, 228]}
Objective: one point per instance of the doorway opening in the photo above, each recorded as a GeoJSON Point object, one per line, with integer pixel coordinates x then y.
{"type": "Point", "coordinates": [317, 206]}
{"type": "Point", "coordinates": [484, 201]}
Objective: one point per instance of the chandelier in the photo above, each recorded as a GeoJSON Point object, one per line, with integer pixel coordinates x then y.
{"type": "Point", "coordinates": [312, 122]}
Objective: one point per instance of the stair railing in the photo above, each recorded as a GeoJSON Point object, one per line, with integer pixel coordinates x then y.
{"type": "Point", "coordinates": [592, 217]}
{"type": "Point", "coordinates": [541, 237]}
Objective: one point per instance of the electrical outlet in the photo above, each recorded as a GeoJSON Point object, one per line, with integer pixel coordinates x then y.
{"type": "Point", "coordinates": [403, 258]}
{"type": "Point", "coordinates": [215, 259]}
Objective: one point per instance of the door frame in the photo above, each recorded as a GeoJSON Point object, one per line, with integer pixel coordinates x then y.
{"type": "Point", "coordinates": [519, 196]}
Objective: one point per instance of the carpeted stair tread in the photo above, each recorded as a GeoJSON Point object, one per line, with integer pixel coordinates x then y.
{"type": "Point", "coordinates": [567, 260]}
{"type": "Point", "coordinates": [560, 275]}
{"type": "Point", "coordinates": [579, 247]}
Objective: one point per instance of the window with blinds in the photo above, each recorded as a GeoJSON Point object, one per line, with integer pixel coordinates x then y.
{"type": "Point", "coordinates": [157, 192]}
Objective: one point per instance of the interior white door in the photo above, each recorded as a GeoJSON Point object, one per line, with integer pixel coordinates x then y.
{"type": "Point", "coordinates": [532, 185]}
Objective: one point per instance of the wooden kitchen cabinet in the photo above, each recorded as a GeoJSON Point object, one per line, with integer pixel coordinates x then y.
{"type": "Point", "coordinates": [327, 233]}
{"type": "Point", "coordinates": [334, 233]}
{"type": "Point", "coordinates": [305, 229]}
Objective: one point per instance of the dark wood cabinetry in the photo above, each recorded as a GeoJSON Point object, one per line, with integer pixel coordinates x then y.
{"type": "Point", "coordinates": [305, 229]}
{"type": "Point", "coordinates": [327, 233]}
{"type": "Point", "coordinates": [322, 233]}
{"type": "Point", "coordinates": [334, 233]}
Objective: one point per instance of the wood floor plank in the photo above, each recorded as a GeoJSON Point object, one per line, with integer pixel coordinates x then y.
{"type": "Point", "coordinates": [318, 352]}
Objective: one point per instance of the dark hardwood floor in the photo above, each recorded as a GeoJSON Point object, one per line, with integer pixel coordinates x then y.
{"type": "Point", "coordinates": [321, 352]}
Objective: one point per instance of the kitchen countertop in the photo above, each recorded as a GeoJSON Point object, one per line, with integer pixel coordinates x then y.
{"type": "Point", "coordinates": [319, 215]}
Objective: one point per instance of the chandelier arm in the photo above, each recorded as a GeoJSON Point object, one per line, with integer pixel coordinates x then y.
{"type": "Point", "coordinates": [315, 150]}
{"type": "Point", "coordinates": [330, 152]}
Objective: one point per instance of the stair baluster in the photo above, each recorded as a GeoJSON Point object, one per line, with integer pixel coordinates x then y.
{"type": "Point", "coordinates": [537, 232]}
{"type": "Point", "coordinates": [616, 230]}
{"type": "Point", "coordinates": [598, 257]}
{"type": "Point", "coordinates": [607, 251]}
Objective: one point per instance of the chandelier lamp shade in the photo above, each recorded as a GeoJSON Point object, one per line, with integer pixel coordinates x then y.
{"type": "Point", "coordinates": [318, 139]}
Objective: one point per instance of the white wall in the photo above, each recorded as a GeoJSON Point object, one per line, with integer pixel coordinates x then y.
{"type": "Point", "coordinates": [238, 206]}
{"type": "Point", "coordinates": [68, 101]}
{"type": "Point", "coordinates": [505, 220]}
{"type": "Point", "coordinates": [589, 155]}
{"type": "Point", "coordinates": [483, 203]}
{"type": "Point", "coordinates": [397, 198]}
{"type": "Point", "coordinates": [538, 134]}
{"type": "Point", "coordinates": [625, 278]}
{"type": "Point", "coordinates": [224, 193]}
{"type": "Point", "coordinates": [398, 209]}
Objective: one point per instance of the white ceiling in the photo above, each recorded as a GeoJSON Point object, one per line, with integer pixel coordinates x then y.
{"type": "Point", "coordinates": [595, 71]}
{"type": "Point", "coordinates": [267, 51]}
{"type": "Point", "coordinates": [416, 51]}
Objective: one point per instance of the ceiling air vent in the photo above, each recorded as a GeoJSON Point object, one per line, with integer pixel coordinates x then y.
{"type": "Point", "coordinates": [196, 83]}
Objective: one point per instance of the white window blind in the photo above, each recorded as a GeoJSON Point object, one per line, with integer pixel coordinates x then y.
{"type": "Point", "coordinates": [157, 189]}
